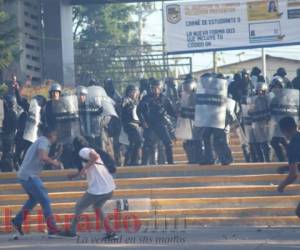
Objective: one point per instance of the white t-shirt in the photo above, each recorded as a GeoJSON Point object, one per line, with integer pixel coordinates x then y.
{"type": "Point", "coordinates": [99, 179]}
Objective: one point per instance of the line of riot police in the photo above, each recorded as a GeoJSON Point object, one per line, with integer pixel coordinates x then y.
{"type": "Point", "coordinates": [261, 106]}
{"type": "Point", "coordinates": [139, 128]}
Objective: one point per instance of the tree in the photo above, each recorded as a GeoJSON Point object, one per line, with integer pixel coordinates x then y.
{"type": "Point", "coordinates": [106, 41]}
{"type": "Point", "coordinates": [8, 39]}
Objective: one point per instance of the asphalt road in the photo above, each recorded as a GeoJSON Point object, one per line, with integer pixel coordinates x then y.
{"type": "Point", "coordinates": [203, 238]}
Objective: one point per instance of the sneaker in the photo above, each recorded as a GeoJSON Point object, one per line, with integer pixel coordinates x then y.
{"type": "Point", "coordinates": [68, 234]}
{"type": "Point", "coordinates": [55, 235]}
{"type": "Point", "coordinates": [17, 227]}
{"type": "Point", "coordinates": [110, 236]}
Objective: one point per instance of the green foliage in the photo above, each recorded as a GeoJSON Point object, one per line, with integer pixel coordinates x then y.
{"type": "Point", "coordinates": [3, 90]}
{"type": "Point", "coordinates": [106, 41]}
{"type": "Point", "coordinates": [8, 39]}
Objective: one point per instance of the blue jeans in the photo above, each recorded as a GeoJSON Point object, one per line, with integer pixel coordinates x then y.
{"type": "Point", "coordinates": [37, 194]}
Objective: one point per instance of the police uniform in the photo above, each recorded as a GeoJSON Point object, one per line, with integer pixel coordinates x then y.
{"type": "Point", "coordinates": [153, 112]}
{"type": "Point", "coordinates": [114, 127]}
{"type": "Point", "coordinates": [210, 118]}
{"type": "Point", "coordinates": [8, 129]}
{"type": "Point", "coordinates": [131, 125]}
{"type": "Point", "coordinates": [185, 122]}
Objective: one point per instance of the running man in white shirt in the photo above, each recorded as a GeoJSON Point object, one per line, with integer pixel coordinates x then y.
{"type": "Point", "coordinates": [100, 185]}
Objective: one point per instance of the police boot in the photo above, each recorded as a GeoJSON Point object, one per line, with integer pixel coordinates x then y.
{"type": "Point", "coordinates": [259, 152]}
{"type": "Point", "coordinates": [246, 152]}
{"type": "Point", "coordinates": [266, 151]}
{"type": "Point", "coordinates": [148, 155]}
{"type": "Point", "coordinates": [253, 153]}
{"type": "Point", "coordinates": [6, 165]}
{"type": "Point", "coordinates": [198, 151]}
{"type": "Point", "coordinates": [169, 154]}
{"type": "Point", "coordinates": [188, 148]}
{"type": "Point", "coordinates": [161, 156]}
{"type": "Point", "coordinates": [278, 149]}
{"type": "Point", "coordinates": [208, 153]}
{"type": "Point", "coordinates": [127, 159]}
{"type": "Point", "coordinates": [221, 147]}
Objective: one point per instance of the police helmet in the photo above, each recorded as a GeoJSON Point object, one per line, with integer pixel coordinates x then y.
{"type": "Point", "coordinates": [255, 71]}
{"type": "Point", "coordinates": [206, 79]}
{"type": "Point", "coordinates": [281, 72]}
{"type": "Point", "coordinates": [189, 84]}
{"type": "Point", "coordinates": [245, 73]}
{"type": "Point", "coordinates": [155, 83]}
{"type": "Point", "coordinates": [131, 88]}
{"type": "Point", "coordinates": [81, 90]}
{"type": "Point", "coordinates": [55, 87]}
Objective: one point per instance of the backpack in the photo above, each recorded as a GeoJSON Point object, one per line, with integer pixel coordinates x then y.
{"type": "Point", "coordinates": [108, 161]}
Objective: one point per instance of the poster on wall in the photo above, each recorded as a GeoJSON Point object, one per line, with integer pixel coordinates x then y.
{"type": "Point", "coordinates": [201, 26]}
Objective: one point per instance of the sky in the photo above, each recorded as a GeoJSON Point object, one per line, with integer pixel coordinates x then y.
{"type": "Point", "coordinates": [153, 35]}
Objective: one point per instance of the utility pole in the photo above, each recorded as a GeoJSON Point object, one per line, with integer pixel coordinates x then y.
{"type": "Point", "coordinates": [264, 63]}
{"type": "Point", "coordinates": [215, 65]}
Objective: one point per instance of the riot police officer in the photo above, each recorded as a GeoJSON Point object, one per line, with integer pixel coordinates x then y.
{"type": "Point", "coordinates": [82, 93]}
{"type": "Point", "coordinates": [284, 102]}
{"type": "Point", "coordinates": [185, 121]}
{"type": "Point", "coordinates": [144, 87]}
{"type": "Point", "coordinates": [48, 117]}
{"type": "Point", "coordinates": [114, 126]}
{"type": "Point", "coordinates": [28, 123]}
{"type": "Point", "coordinates": [210, 118]}
{"type": "Point", "coordinates": [153, 112]}
{"type": "Point", "coordinates": [260, 116]}
{"type": "Point", "coordinates": [171, 91]}
{"type": "Point", "coordinates": [21, 144]}
{"type": "Point", "coordinates": [281, 72]}
{"type": "Point", "coordinates": [9, 129]}
{"type": "Point", "coordinates": [112, 92]}
{"type": "Point", "coordinates": [131, 125]}
{"type": "Point", "coordinates": [296, 80]}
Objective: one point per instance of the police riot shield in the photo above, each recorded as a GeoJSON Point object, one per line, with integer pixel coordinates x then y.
{"type": "Point", "coordinates": [98, 96]}
{"type": "Point", "coordinates": [123, 138]}
{"type": "Point", "coordinates": [109, 107]}
{"type": "Point", "coordinates": [231, 106]}
{"type": "Point", "coordinates": [285, 102]}
{"type": "Point", "coordinates": [247, 121]}
{"type": "Point", "coordinates": [1, 112]}
{"type": "Point", "coordinates": [99, 108]}
{"type": "Point", "coordinates": [32, 121]}
{"type": "Point", "coordinates": [260, 115]}
{"type": "Point", "coordinates": [211, 103]}
{"type": "Point", "coordinates": [66, 114]}
{"type": "Point", "coordinates": [94, 111]}
{"type": "Point", "coordinates": [184, 124]}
